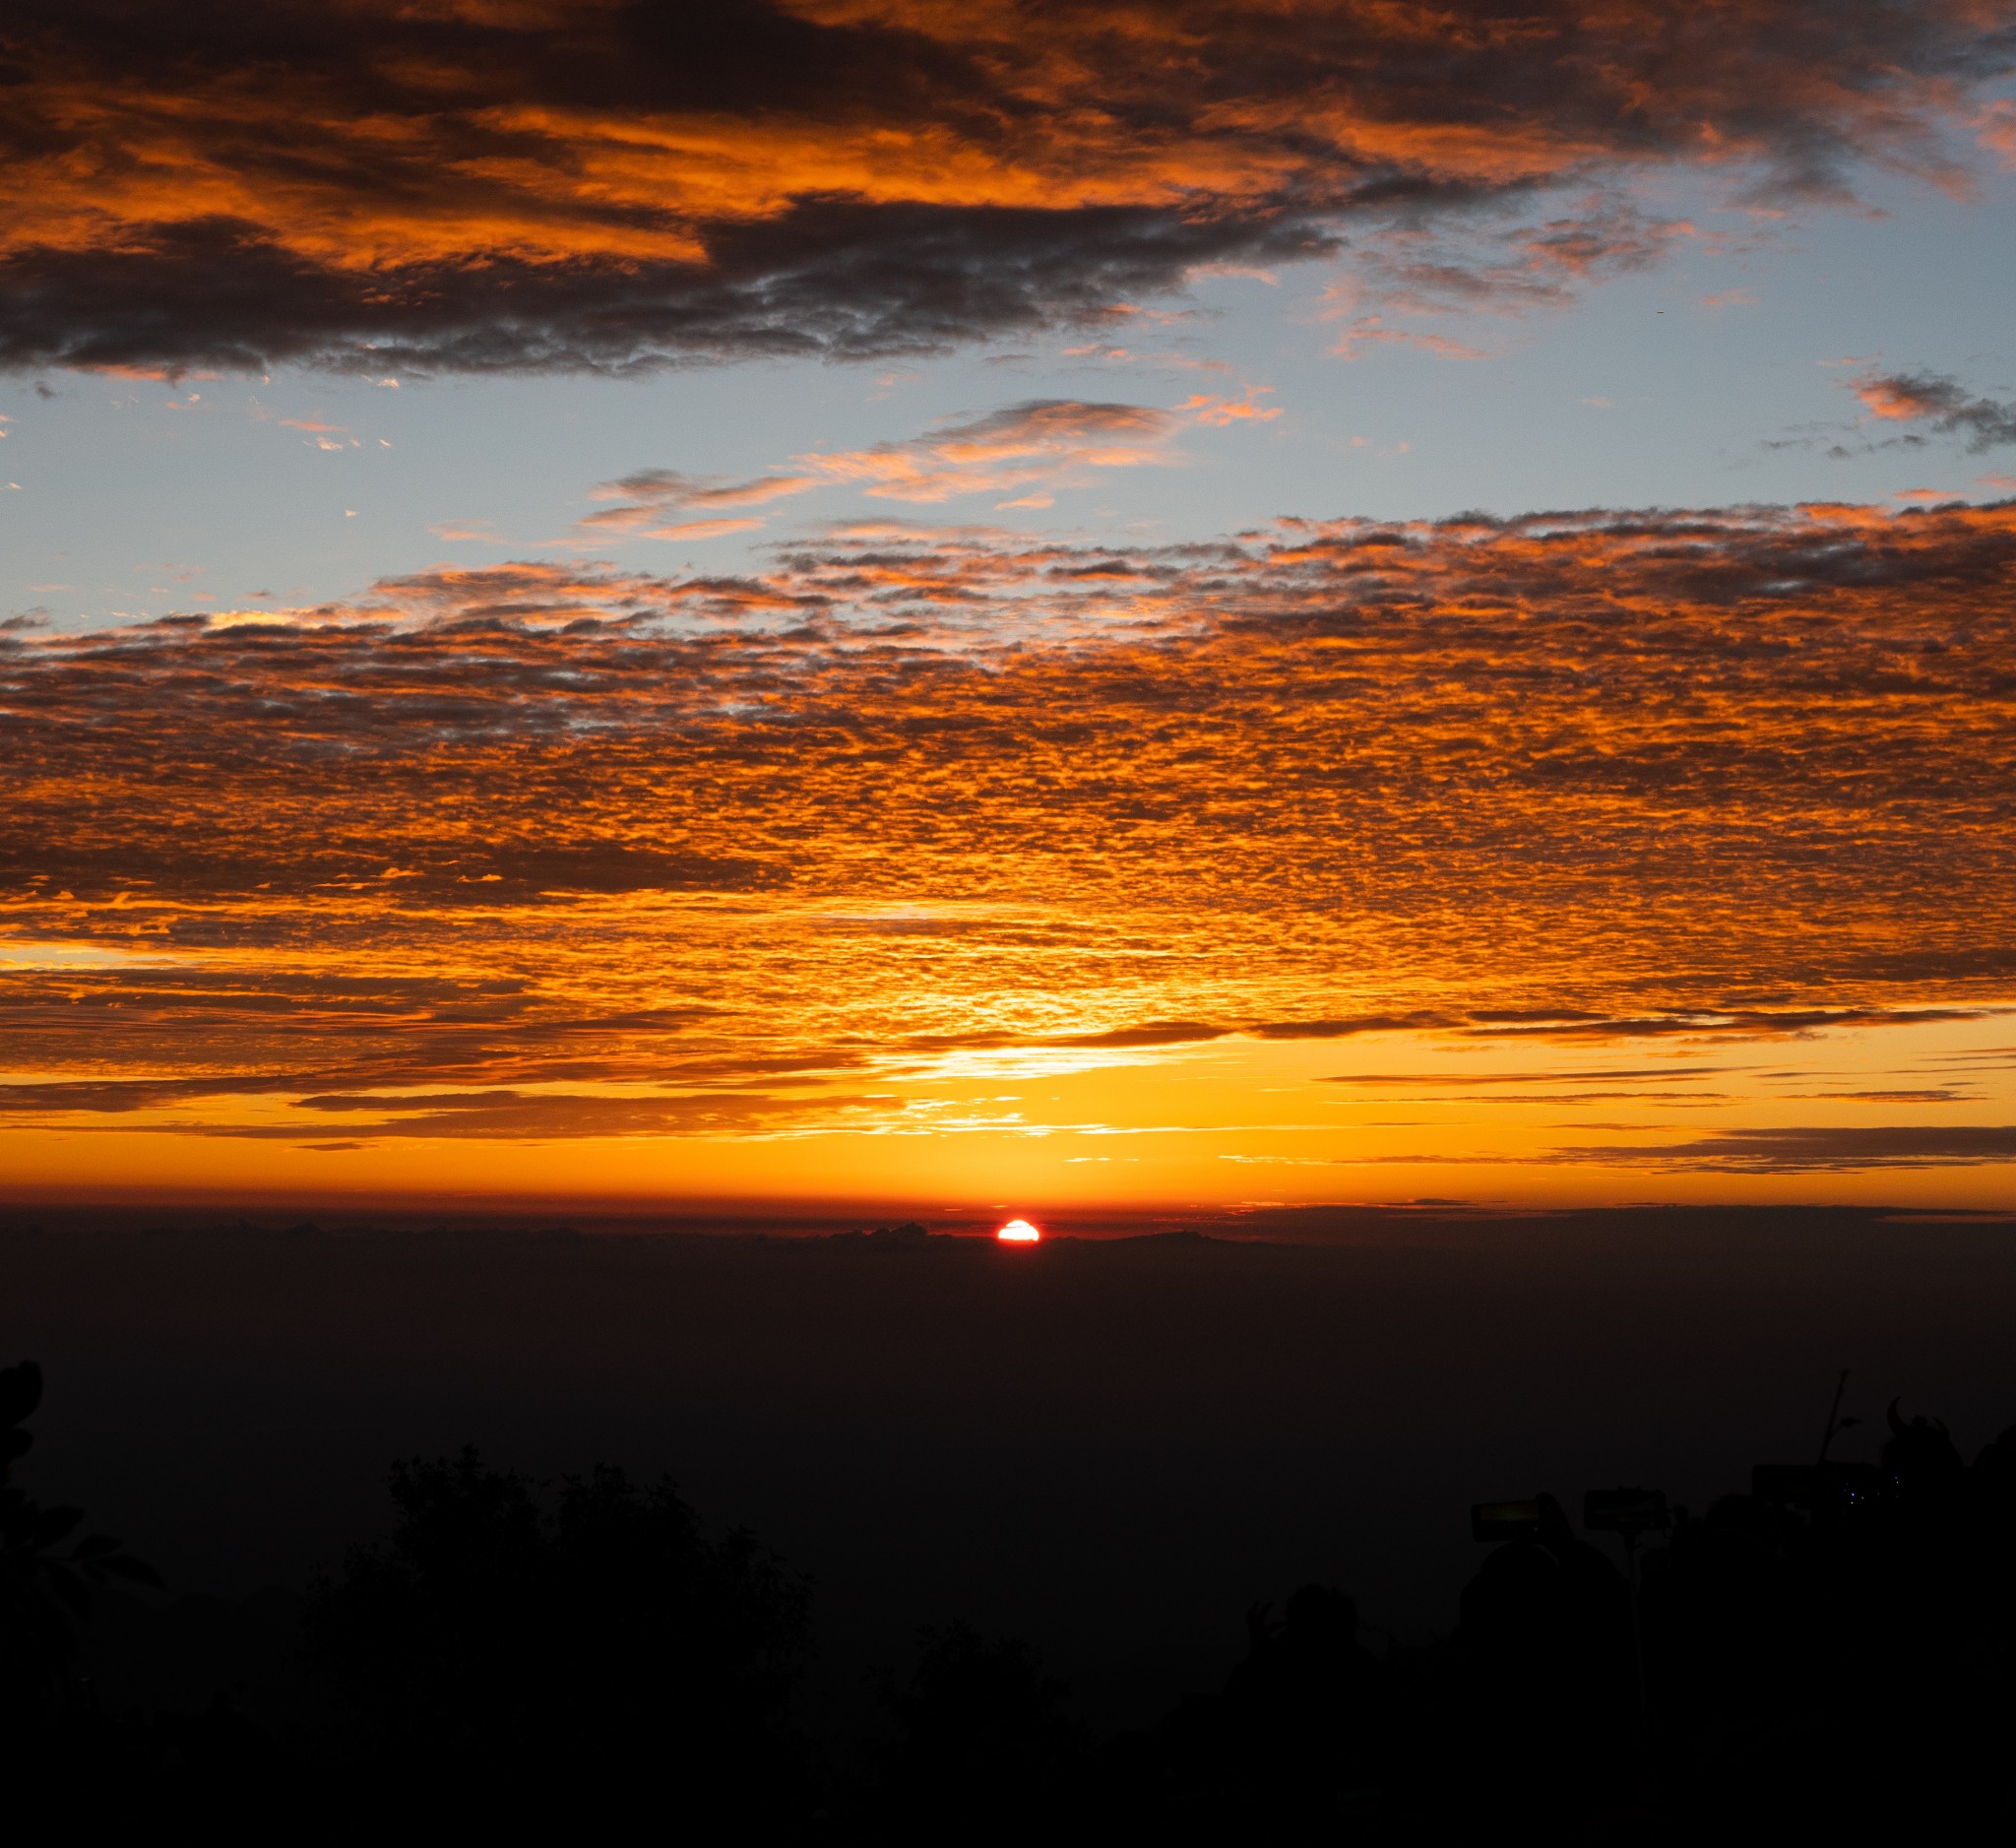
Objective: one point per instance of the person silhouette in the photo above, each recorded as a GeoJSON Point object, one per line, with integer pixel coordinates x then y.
{"type": "Point", "coordinates": [1300, 1712]}
{"type": "Point", "coordinates": [1546, 1627]}
{"type": "Point", "coordinates": [1922, 1459]}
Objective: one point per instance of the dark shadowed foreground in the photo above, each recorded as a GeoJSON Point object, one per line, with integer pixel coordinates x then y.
{"type": "Point", "coordinates": [1108, 1450]}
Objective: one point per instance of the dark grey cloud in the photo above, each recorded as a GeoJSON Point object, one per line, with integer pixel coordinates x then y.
{"type": "Point", "coordinates": [547, 1116]}
{"type": "Point", "coordinates": [1928, 408]}
{"type": "Point", "coordinates": [1433, 1080]}
{"type": "Point", "coordinates": [1350, 1025]}
{"type": "Point", "coordinates": [1738, 1022]}
{"type": "Point", "coordinates": [827, 280]}
{"type": "Point", "coordinates": [1150, 1033]}
{"type": "Point", "coordinates": [116, 1097]}
{"type": "Point", "coordinates": [1885, 1096]}
{"type": "Point", "coordinates": [1830, 1148]}
{"type": "Point", "coordinates": [624, 184]}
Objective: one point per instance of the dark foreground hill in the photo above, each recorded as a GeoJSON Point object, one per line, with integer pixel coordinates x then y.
{"type": "Point", "coordinates": [1106, 1449]}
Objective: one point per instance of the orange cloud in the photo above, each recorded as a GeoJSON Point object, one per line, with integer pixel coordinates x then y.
{"type": "Point", "coordinates": [1224, 410]}
{"type": "Point", "coordinates": [1040, 444]}
{"type": "Point", "coordinates": [536, 852]}
{"type": "Point", "coordinates": [1942, 404]}
{"type": "Point", "coordinates": [378, 184]}
{"type": "Point", "coordinates": [1370, 330]}
{"type": "Point", "coordinates": [1895, 400]}
{"type": "Point", "coordinates": [697, 529]}
{"type": "Point", "coordinates": [667, 487]}
{"type": "Point", "coordinates": [1042, 440]}
{"type": "Point", "coordinates": [1995, 128]}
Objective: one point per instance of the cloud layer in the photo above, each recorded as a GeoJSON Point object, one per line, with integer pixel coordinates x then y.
{"type": "Point", "coordinates": [1930, 405]}
{"type": "Point", "coordinates": [603, 183]}
{"type": "Point", "coordinates": [549, 832]}
{"type": "Point", "coordinates": [1829, 1149]}
{"type": "Point", "coordinates": [1026, 449]}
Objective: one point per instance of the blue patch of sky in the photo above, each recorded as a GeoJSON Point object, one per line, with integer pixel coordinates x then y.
{"type": "Point", "coordinates": [1712, 378]}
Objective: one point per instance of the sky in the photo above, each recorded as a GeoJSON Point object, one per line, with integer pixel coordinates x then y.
{"type": "Point", "coordinates": [1005, 608]}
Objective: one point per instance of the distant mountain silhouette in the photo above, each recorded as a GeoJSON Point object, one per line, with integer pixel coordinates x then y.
{"type": "Point", "coordinates": [906, 1235]}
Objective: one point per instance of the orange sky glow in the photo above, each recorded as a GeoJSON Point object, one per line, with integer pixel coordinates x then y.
{"type": "Point", "coordinates": [922, 853]}
{"type": "Point", "coordinates": [1571, 860]}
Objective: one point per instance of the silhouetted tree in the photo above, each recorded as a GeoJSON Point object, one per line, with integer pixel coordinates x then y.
{"type": "Point", "coordinates": [45, 1584]}
{"type": "Point", "coordinates": [512, 1645]}
{"type": "Point", "coordinates": [1299, 1736]}
{"type": "Point", "coordinates": [1832, 1655]}
{"type": "Point", "coordinates": [983, 1747]}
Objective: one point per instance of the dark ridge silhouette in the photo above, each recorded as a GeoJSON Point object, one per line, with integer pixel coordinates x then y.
{"type": "Point", "coordinates": [909, 1236]}
{"type": "Point", "coordinates": [1822, 1647]}
{"type": "Point", "coordinates": [1828, 1654]}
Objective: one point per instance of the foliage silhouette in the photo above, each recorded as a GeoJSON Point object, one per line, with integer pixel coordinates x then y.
{"type": "Point", "coordinates": [1297, 1728]}
{"type": "Point", "coordinates": [1834, 1653]}
{"type": "Point", "coordinates": [530, 1644]}
{"type": "Point", "coordinates": [984, 1747]}
{"type": "Point", "coordinates": [45, 1589]}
